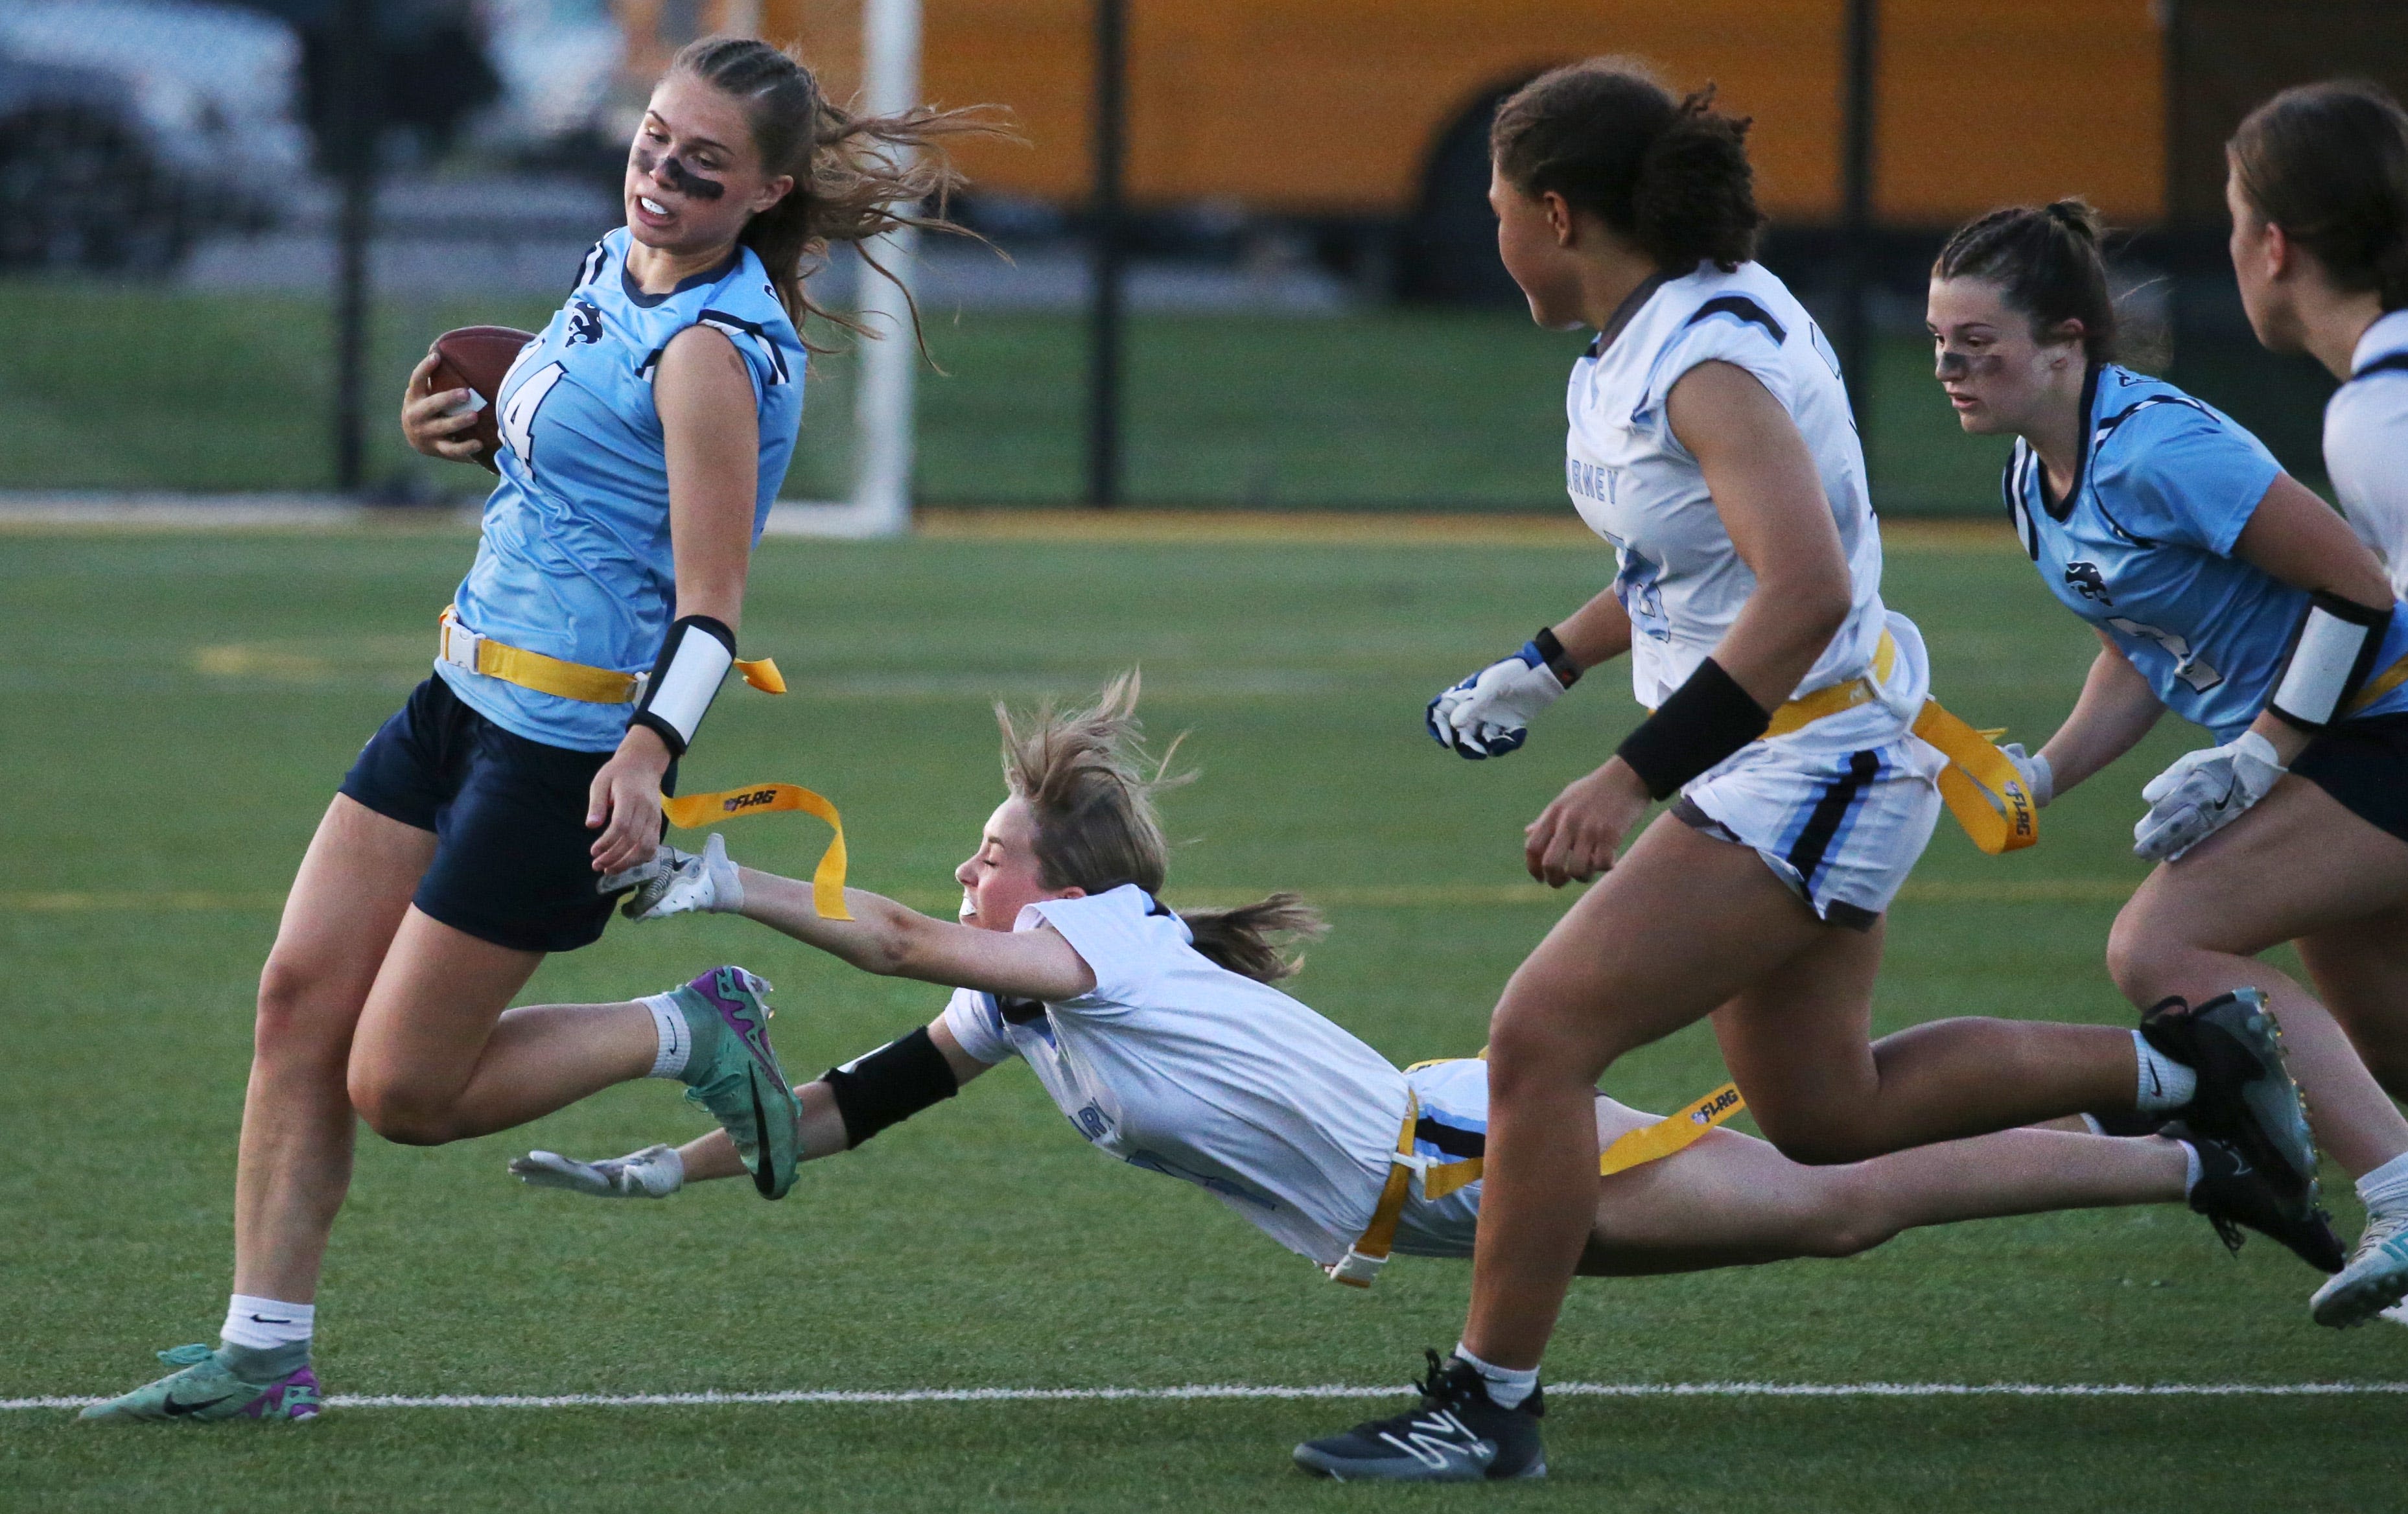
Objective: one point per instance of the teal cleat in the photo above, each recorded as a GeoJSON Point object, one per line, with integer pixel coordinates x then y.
{"type": "Point", "coordinates": [203, 1392]}
{"type": "Point", "coordinates": [736, 1076]}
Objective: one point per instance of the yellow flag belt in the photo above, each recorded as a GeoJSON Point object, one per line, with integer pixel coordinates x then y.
{"type": "Point", "coordinates": [1648, 1143]}
{"type": "Point", "coordinates": [695, 810]}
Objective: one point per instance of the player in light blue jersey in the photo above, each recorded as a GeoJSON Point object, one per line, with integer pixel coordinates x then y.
{"type": "Point", "coordinates": [644, 436]}
{"type": "Point", "coordinates": [2227, 593]}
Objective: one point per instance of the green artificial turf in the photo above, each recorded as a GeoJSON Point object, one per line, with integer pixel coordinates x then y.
{"type": "Point", "coordinates": [180, 708]}
{"type": "Point", "coordinates": [111, 388]}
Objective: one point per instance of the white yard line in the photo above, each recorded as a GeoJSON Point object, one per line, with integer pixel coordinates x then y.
{"type": "Point", "coordinates": [1274, 1391]}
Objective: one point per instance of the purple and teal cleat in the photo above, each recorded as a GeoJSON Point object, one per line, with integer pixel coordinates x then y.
{"type": "Point", "coordinates": [204, 1392]}
{"type": "Point", "coordinates": [733, 1074]}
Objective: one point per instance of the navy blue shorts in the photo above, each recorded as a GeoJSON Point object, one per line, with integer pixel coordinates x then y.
{"type": "Point", "coordinates": [513, 860]}
{"type": "Point", "coordinates": [2364, 764]}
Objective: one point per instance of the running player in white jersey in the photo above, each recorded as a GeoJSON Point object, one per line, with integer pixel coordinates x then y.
{"type": "Point", "coordinates": [2318, 192]}
{"type": "Point", "coordinates": [1162, 1040]}
{"type": "Point", "coordinates": [646, 432]}
{"type": "Point", "coordinates": [1711, 441]}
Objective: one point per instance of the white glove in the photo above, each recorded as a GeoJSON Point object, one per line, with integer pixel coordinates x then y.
{"type": "Point", "coordinates": [1489, 713]}
{"type": "Point", "coordinates": [2202, 792]}
{"type": "Point", "coordinates": [678, 882]}
{"type": "Point", "coordinates": [654, 1172]}
{"type": "Point", "coordinates": [2040, 779]}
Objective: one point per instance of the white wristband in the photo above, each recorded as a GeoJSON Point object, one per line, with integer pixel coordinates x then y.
{"type": "Point", "coordinates": [692, 663]}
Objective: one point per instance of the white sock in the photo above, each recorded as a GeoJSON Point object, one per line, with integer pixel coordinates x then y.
{"type": "Point", "coordinates": [2165, 1083]}
{"type": "Point", "coordinates": [2090, 1122]}
{"type": "Point", "coordinates": [2385, 1189]}
{"type": "Point", "coordinates": [1507, 1386]}
{"type": "Point", "coordinates": [263, 1324]}
{"type": "Point", "coordinates": [677, 1037]}
{"type": "Point", "coordinates": [2190, 1167]}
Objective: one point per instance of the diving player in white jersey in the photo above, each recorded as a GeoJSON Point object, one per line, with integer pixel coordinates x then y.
{"type": "Point", "coordinates": [1711, 442]}
{"type": "Point", "coordinates": [2224, 591]}
{"type": "Point", "coordinates": [646, 432]}
{"type": "Point", "coordinates": [1164, 1042]}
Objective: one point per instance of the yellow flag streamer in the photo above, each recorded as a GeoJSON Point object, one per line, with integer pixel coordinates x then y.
{"type": "Point", "coordinates": [1649, 1143]}
{"type": "Point", "coordinates": [695, 810]}
{"type": "Point", "coordinates": [1981, 785]}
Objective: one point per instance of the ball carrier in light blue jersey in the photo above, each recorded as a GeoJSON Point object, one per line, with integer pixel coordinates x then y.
{"type": "Point", "coordinates": [576, 562]}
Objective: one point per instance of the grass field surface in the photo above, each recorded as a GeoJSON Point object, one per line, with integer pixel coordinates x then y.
{"type": "Point", "coordinates": [107, 388]}
{"type": "Point", "coordinates": [180, 708]}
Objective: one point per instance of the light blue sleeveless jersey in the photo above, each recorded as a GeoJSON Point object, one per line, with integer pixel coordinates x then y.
{"type": "Point", "coordinates": [576, 562]}
{"type": "Point", "coordinates": [2143, 549]}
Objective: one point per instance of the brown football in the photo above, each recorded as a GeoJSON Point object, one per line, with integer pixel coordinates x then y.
{"type": "Point", "coordinates": [476, 358]}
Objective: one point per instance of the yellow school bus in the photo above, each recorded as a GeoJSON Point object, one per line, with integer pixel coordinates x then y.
{"type": "Point", "coordinates": [1334, 108]}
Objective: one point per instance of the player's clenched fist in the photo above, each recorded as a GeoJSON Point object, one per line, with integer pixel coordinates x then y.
{"type": "Point", "coordinates": [1489, 713]}
{"type": "Point", "coordinates": [1575, 838]}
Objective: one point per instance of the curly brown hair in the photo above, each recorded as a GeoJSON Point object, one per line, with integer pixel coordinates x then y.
{"type": "Point", "coordinates": [1672, 176]}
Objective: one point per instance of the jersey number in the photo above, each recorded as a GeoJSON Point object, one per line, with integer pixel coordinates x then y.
{"type": "Point", "coordinates": [517, 419]}
{"type": "Point", "coordinates": [2187, 667]}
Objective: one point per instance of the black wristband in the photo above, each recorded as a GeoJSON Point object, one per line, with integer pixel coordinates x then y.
{"type": "Point", "coordinates": [1559, 662]}
{"type": "Point", "coordinates": [890, 1085]}
{"type": "Point", "coordinates": [1706, 719]}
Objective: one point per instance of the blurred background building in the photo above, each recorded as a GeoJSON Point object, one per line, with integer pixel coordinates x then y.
{"type": "Point", "coordinates": [1316, 314]}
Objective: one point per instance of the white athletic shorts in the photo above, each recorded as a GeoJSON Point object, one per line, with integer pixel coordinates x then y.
{"type": "Point", "coordinates": [1841, 826]}
{"type": "Point", "coordinates": [1453, 1124]}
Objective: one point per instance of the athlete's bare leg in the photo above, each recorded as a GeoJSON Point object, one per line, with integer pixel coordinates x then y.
{"type": "Point", "coordinates": [296, 1163]}
{"type": "Point", "coordinates": [2296, 866]}
{"type": "Point", "coordinates": [1682, 926]}
{"type": "Point", "coordinates": [1733, 1201]}
{"type": "Point", "coordinates": [2361, 971]}
{"type": "Point", "coordinates": [435, 1058]}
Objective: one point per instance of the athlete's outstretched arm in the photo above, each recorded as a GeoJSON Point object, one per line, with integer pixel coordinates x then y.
{"type": "Point", "coordinates": [820, 1130]}
{"type": "Point", "coordinates": [887, 938]}
{"type": "Point", "coordinates": [2116, 708]}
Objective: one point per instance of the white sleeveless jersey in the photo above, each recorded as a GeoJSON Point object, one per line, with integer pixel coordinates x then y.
{"type": "Point", "coordinates": [2366, 444]}
{"type": "Point", "coordinates": [1179, 1066]}
{"type": "Point", "coordinates": [1634, 483]}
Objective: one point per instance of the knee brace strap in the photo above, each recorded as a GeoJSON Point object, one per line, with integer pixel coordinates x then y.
{"type": "Point", "coordinates": [890, 1085]}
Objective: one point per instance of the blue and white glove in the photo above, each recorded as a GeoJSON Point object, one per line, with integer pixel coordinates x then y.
{"type": "Point", "coordinates": [678, 882]}
{"type": "Point", "coordinates": [1489, 713]}
{"type": "Point", "coordinates": [2202, 792]}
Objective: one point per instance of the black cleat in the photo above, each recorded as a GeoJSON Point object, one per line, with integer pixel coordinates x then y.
{"type": "Point", "coordinates": [2233, 1191]}
{"type": "Point", "coordinates": [2245, 1097]}
{"type": "Point", "coordinates": [1459, 1434]}
{"type": "Point", "coordinates": [2125, 1123]}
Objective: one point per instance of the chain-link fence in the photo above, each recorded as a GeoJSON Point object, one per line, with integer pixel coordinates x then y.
{"type": "Point", "coordinates": [1315, 314]}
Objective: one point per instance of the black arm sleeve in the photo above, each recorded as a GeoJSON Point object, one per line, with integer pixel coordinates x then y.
{"type": "Point", "coordinates": [1705, 720]}
{"type": "Point", "coordinates": [890, 1085]}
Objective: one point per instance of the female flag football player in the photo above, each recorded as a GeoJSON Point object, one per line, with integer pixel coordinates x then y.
{"type": "Point", "coordinates": [1160, 1036]}
{"type": "Point", "coordinates": [2228, 593]}
{"type": "Point", "coordinates": [1711, 443]}
{"type": "Point", "coordinates": [646, 432]}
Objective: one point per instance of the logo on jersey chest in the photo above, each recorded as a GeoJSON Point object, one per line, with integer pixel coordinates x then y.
{"type": "Point", "coordinates": [585, 321]}
{"type": "Point", "coordinates": [2085, 580]}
